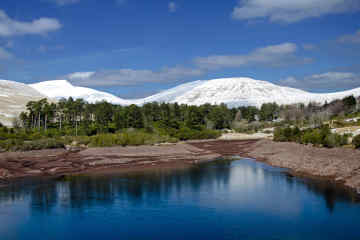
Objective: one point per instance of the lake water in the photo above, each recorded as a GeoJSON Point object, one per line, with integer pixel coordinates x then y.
{"type": "Point", "coordinates": [241, 199]}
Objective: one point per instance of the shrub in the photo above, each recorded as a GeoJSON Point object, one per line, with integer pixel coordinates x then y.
{"type": "Point", "coordinates": [314, 137]}
{"type": "Point", "coordinates": [335, 140]}
{"type": "Point", "coordinates": [208, 134]}
{"type": "Point", "coordinates": [186, 133]}
{"type": "Point", "coordinates": [103, 140]}
{"type": "Point", "coordinates": [20, 145]}
{"type": "Point", "coordinates": [356, 141]}
{"type": "Point", "coordinates": [287, 134]}
{"type": "Point", "coordinates": [320, 136]}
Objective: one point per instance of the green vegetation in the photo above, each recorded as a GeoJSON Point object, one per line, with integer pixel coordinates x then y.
{"type": "Point", "coordinates": [356, 141]}
{"type": "Point", "coordinates": [49, 125]}
{"type": "Point", "coordinates": [312, 119]}
{"type": "Point", "coordinates": [319, 137]}
{"type": "Point", "coordinates": [55, 125]}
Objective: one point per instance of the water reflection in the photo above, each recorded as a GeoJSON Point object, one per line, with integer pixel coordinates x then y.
{"type": "Point", "coordinates": [249, 179]}
{"type": "Point", "coordinates": [221, 200]}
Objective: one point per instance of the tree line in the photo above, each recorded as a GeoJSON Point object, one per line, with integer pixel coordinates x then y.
{"type": "Point", "coordinates": [81, 118]}
{"type": "Point", "coordinates": [77, 117]}
{"type": "Point", "coordinates": [56, 124]}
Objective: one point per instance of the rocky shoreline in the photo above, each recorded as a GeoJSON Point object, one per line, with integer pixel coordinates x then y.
{"type": "Point", "coordinates": [58, 162]}
{"type": "Point", "coordinates": [339, 164]}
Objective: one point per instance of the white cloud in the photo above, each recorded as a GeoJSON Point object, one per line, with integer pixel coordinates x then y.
{"type": "Point", "coordinates": [350, 38]}
{"type": "Point", "coordinates": [4, 54]}
{"type": "Point", "coordinates": [274, 55]}
{"type": "Point", "coordinates": [10, 27]}
{"type": "Point", "coordinates": [65, 2]}
{"type": "Point", "coordinates": [129, 77]}
{"type": "Point", "coordinates": [172, 7]}
{"type": "Point", "coordinates": [80, 75]}
{"type": "Point", "coordinates": [324, 81]}
{"type": "Point", "coordinates": [291, 10]}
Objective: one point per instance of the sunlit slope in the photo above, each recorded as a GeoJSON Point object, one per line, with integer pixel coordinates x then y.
{"type": "Point", "coordinates": [13, 99]}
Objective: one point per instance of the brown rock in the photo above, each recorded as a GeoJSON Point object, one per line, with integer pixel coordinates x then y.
{"type": "Point", "coordinates": [73, 149]}
{"type": "Point", "coordinates": [4, 173]}
{"type": "Point", "coordinates": [36, 172]}
{"type": "Point", "coordinates": [28, 163]}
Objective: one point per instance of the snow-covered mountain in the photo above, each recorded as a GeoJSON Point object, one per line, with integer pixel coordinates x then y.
{"type": "Point", "coordinates": [13, 99]}
{"type": "Point", "coordinates": [170, 94]}
{"type": "Point", "coordinates": [240, 92]}
{"type": "Point", "coordinates": [58, 89]}
{"type": "Point", "coordinates": [232, 91]}
{"type": "Point", "coordinates": [236, 92]}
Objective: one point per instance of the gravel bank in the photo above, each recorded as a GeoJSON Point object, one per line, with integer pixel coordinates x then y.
{"type": "Point", "coordinates": [338, 164]}
{"type": "Point", "coordinates": [15, 165]}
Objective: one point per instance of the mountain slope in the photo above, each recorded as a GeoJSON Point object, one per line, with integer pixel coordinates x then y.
{"type": "Point", "coordinates": [63, 89]}
{"type": "Point", "coordinates": [232, 91]}
{"type": "Point", "coordinates": [240, 92]}
{"type": "Point", "coordinates": [170, 94]}
{"type": "Point", "coordinates": [13, 99]}
{"type": "Point", "coordinates": [249, 92]}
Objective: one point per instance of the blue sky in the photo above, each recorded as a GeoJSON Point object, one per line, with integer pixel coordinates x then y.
{"type": "Point", "coordinates": [134, 48]}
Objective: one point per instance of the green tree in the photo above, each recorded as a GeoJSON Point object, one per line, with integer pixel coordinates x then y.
{"type": "Point", "coordinates": [349, 103]}
{"type": "Point", "coordinates": [135, 117]}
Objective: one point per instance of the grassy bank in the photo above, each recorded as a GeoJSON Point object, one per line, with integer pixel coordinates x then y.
{"type": "Point", "coordinates": [322, 137]}
{"type": "Point", "coordinates": [27, 141]}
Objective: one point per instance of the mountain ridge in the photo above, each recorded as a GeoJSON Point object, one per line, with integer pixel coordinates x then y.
{"type": "Point", "coordinates": [58, 89]}
{"type": "Point", "coordinates": [233, 92]}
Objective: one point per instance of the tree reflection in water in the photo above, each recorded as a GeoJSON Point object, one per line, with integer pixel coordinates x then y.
{"type": "Point", "coordinates": [150, 187]}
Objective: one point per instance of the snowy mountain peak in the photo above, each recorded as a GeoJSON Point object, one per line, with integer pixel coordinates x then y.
{"type": "Point", "coordinates": [240, 92]}
{"type": "Point", "coordinates": [64, 89]}
{"type": "Point", "coordinates": [170, 94]}
{"type": "Point", "coordinates": [53, 84]}
{"type": "Point", "coordinates": [233, 92]}
{"type": "Point", "coordinates": [236, 92]}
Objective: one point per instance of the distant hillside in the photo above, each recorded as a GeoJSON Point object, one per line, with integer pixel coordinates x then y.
{"type": "Point", "coordinates": [234, 92]}
{"type": "Point", "coordinates": [13, 99]}
{"type": "Point", "coordinates": [58, 89]}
